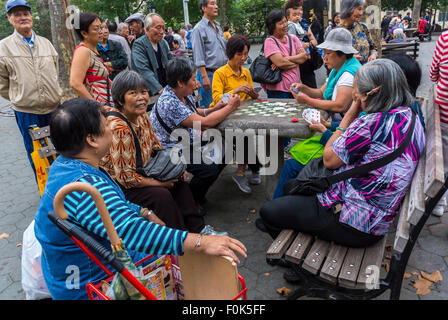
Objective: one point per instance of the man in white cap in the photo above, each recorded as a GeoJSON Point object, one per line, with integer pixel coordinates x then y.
{"type": "Point", "coordinates": [28, 73]}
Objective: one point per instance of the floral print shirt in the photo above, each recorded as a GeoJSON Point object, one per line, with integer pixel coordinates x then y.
{"type": "Point", "coordinates": [362, 41]}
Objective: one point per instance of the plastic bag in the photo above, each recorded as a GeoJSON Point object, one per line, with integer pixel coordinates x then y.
{"type": "Point", "coordinates": [33, 282]}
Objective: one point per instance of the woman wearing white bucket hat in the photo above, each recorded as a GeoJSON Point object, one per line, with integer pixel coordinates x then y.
{"type": "Point", "coordinates": [334, 96]}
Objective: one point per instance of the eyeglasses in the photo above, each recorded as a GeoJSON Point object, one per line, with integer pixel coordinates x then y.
{"type": "Point", "coordinates": [98, 29]}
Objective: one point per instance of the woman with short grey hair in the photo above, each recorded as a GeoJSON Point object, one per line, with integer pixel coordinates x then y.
{"type": "Point", "coordinates": [385, 77]}
{"type": "Point", "coordinates": [171, 200]}
{"type": "Point", "coordinates": [371, 202]}
{"type": "Point", "coordinates": [176, 109]}
{"type": "Point", "coordinates": [398, 36]}
{"type": "Point", "coordinates": [351, 14]}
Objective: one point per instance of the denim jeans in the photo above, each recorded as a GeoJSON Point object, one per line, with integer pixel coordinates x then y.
{"type": "Point", "coordinates": [24, 120]}
{"type": "Point", "coordinates": [207, 97]}
{"type": "Point", "coordinates": [290, 170]}
{"type": "Point", "coordinates": [274, 94]}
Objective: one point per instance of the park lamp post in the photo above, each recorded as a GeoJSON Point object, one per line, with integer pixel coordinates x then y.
{"type": "Point", "coordinates": [186, 15]}
{"type": "Point", "coordinates": [265, 12]}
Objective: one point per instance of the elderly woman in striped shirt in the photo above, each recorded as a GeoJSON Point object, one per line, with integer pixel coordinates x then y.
{"type": "Point", "coordinates": [81, 137]}
{"type": "Point", "coordinates": [369, 203]}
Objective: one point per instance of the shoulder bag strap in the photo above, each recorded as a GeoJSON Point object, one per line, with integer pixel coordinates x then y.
{"type": "Point", "coordinates": [368, 167]}
{"type": "Point", "coordinates": [162, 123]}
{"type": "Point", "coordinates": [138, 150]}
{"type": "Point", "coordinates": [290, 44]}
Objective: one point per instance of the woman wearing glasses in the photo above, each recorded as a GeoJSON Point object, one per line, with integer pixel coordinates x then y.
{"type": "Point", "coordinates": [89, 76]}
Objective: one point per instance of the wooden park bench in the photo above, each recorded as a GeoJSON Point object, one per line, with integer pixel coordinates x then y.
{"type": "Point", "coordinates": [411, 48]}
{"type": "Point", "coordinates": [330, 271]}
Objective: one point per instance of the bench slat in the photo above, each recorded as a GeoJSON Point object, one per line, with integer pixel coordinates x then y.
{"type": "Point", "coordinates": [350, 267]}
{"type": "Point", "coordinates": [434, 173]}
{"type": "Point", "coordinates": [373, 256]}
{"type": "Point", "coordinates": [403, 227]}
{"type": "Point", "coordinates": [333, 263]}
{"type": "Point", "coordinates": [298, 248]}
{"type": "Point", "coordinates": [40, 133]}
{"type": "Point", "coordinates": [416, 206]}
{"type": "Point", "coordinates": [47, 151]}
{"type": "Point", "coordinates": [316, 256]}
{"type": "Point", "coordinates": [280, 244]}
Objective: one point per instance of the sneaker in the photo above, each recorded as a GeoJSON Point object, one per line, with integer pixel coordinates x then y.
{"type": "Point", "coordinates": [255, 178]}
{"type": "Point", "coordinates": [260, 225]}
{"type": "Point", "coordinates": [291, 276]}
{"type": "Point", "coordinates": [242, 183]}
{"type": "Point", "coordinates": [440, 208]}
{"type": "Point", "coordinates": [209, 231]}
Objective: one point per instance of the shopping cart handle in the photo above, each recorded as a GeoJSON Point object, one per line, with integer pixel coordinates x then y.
{"type": "Point", "coordinates": [97, 248]}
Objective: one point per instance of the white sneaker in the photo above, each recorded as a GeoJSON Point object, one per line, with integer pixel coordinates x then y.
{"type": "Point", "coordinates": [440, 208]}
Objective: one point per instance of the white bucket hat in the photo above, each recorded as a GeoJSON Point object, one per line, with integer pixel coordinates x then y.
{"type": "Point", "coordinates": [339, 39]}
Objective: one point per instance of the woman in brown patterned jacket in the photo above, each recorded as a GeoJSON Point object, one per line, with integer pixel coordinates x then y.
{"type": "Point", "coordinates": [172, 200]}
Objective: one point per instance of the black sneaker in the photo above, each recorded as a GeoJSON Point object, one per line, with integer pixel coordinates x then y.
{"type": "Point", "coordinates": [291, 276]}
{"type": "Point", "coordinates": [260, 225]}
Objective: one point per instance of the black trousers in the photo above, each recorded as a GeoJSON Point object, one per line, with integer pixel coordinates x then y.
{"type": "Point", "coordinates": [204, 175]}
{"type": "Point", "coordinates": [176, 206]}
{"type": "Point", "coordinates": [306, 214]}
{"type": "Point", "coordinates": [307, 75]}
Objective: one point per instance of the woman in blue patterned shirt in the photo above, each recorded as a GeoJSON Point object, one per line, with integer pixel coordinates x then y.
{"type": "Point", "coordinates": [80, 134]}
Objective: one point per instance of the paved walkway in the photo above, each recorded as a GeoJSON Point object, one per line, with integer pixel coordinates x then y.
{"type": "Point", "coordinates": [228, 209]}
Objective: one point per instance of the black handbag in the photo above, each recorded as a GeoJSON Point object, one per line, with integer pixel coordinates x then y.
{"type": "Point", "coordinates": [165, 164]}
{"type": "Point", "coordinates": [316, 178]}
{"type": "Point", "coordinates": [261, 68]}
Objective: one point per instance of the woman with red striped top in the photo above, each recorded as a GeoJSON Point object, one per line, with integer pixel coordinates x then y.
{"type": "Point", "coordinates": [89, 75]}
{"type": "Point", "coordinates": [439, 74]}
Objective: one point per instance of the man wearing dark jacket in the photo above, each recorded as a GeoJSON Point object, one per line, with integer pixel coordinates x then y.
{"type": "Point", "coordinates": [112, 53]}
{"type": "Point", "coordinates": [151, 53]}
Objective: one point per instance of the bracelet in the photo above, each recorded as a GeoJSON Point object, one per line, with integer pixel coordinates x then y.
{"type": "Point", "coordinates": [342, 129]}
{"type": "Point", "coordinates": [144, 212]}
{"type": "Point", "coordinates": [198, 243]}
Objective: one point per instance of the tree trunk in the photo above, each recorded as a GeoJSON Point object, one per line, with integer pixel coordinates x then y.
{"type": "Point", "coordinates": [416, 13]}
{"type": "Point", "coordinates": [374, 22]}
{"type": "Point", "coordinates": [63, 41]}
{"type": "Point", "coordinates": [223, 13]}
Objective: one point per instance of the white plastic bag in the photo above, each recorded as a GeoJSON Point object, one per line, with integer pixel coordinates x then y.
{"type": "Point", "coordinates": [33, 282]}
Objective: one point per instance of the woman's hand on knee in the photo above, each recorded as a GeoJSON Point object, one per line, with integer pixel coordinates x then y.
{"type": "Point", "coordinates": [169, 184]}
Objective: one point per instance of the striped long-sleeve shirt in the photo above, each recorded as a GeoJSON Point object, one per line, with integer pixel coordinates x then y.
{"type": "Point", "coordinates": [439, 71]}
{"type": "Point", "coordinates": [137, 233]}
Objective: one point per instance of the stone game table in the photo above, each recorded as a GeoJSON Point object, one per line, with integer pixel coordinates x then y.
{"type": "Point", "coordinates": [278, 120]}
